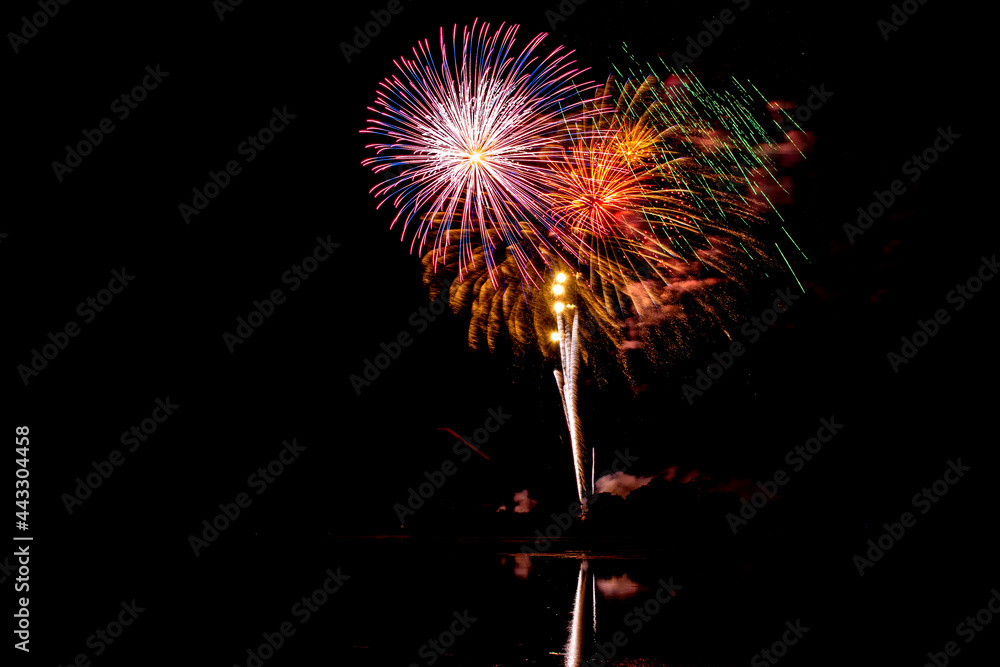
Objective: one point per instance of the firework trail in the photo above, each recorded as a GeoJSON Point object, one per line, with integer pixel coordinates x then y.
{"type": "Point", "coordinates": [471, 135]}
{"type": "Point", "coordinates": [566, 381]}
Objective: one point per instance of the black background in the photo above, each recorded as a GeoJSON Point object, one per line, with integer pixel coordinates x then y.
{"type": "Point", "coordinates": [162, 336]}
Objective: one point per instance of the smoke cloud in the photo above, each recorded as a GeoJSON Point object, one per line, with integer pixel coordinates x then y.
{"type": "Point", "coordinates": [524, 503]}
{"type": "Point", "coordinates": [620, 483]}
{"type": "Point", "coordinates": [619, 588]}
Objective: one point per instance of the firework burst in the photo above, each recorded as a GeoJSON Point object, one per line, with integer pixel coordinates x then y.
{"type": "Point", "coordinates": [471, 136]}
{"type": "Point", "coordinates": [648, 182]}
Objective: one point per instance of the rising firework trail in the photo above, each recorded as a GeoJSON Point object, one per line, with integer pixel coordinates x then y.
{"type": "Point", "coordinates": [566, 380]}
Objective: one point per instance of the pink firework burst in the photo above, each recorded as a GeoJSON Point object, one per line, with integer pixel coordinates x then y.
{"type": "Point", "coordinates": [471, 138]}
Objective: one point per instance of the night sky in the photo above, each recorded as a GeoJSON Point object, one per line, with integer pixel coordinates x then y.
{"type": "Point", "coordinates": [220, 80]}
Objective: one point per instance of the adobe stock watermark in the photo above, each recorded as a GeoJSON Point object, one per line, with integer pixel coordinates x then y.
{"type": "Point", "coordinates": [797, 458]}
{"type": "Point", "coordinates": [432, 651]}
{"type": "Point", "coordinates": [23, 585]}
{"type": "Point", "coordinates": [420, 319]}
{"type": "Point", "coordinates": [7, 570]}
{"type": "Point", "coordinates": [106, 636]}
{"type": "Point", "coordinates": [697, 44]}
{"type": "Point", "coordinates": [462, 448]}
{"type": "Point", "coordinates": [635, 620]}
{"type": "Point", "coordinates": [924, 500]}
{"type": "Point", "coordinates": [258, 481]}
{"type": "Point", "coordinates": [967, 629]}
{"type": "Point", "coordinates": [562, 522]}
{"type": "Point", "coordinates": [133, 438]}
{"type": "Point", "coordinates": [914, 168]}
{"type": "Point", "coordinates": [753, 329]}
{"type": "Point", "coordinates": [88, 310]}
{"type": "Point", "coordinates": [959, 296]}
{"type": "Point", "coordinates": [293, 277]}
{"type": "Point", "coordinates": [302, 611]}
{"type": "Point", "coordinates": [362, 37]}
{"type": "Point", "coordinates": [561, 12]}
{"type": "Point", "coordinates": [122, 106]}
{"type": "Point", "coordinates": [31, 25]}
{"type": "Point", "coordinates": [779, 648]}
{"type": "Point", "coordinates": [898, 17]}
{"type": "Point", "coordinates": [248, 149]}
{"type": "Point", "coordinates": [223, 7]}
{"type": "Point", "coordinates": [802, 113]}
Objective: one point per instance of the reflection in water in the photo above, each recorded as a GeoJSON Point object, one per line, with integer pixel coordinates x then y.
{"type": "Point", "coordinates": [581, 647]}
{"type": "Point", "coordinates": [574, 650]}
{"type": "Point", "coordinates": [582, 641]}
{"type": "Point", "coordinates": [593, 597]}
{"type": "Point", "coordinates": [619, 588]}
{"type": "Point", "coordinates": [574, 647]}
{"type": "Point", "coordinates": [522, 565]}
